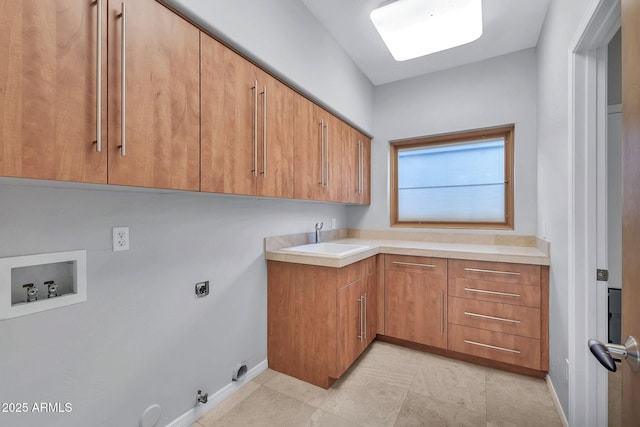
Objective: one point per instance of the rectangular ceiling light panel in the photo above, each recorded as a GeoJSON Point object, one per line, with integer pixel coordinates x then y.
{"type": "Point", "coordinates": [414, 28]}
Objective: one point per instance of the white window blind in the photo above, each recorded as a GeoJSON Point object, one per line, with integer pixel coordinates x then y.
{"type": "Point", "coordinates": [463, 182]}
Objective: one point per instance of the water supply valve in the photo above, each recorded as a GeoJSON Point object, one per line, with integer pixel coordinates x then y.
{"type": "Point", "coordinates": [52, 289]}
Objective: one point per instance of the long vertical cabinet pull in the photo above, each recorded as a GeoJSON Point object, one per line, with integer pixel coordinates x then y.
{"type": "Point", "coordinates": [360, 148]}
{"type": "Point", "coordinates": [264, 133]}
{"type": "Point", "coordinates": [360, 337]}
{"type": "Point", "coordinates": [322, 153]}
{"type": "Point", "coordinates": [364, 335]}
{"type": "Point", "coordinates": [255, 128]}
{"type": "Point", "coordinates": [123, 88]}
{"type": "Point", "coordinates": [99, 78]}
{"type": "Point", "coordinates": [326, 156]}
{"type": "Point", "coordinates": [361, 167]}
{"type": "Point", "coordinates": [441, 313]}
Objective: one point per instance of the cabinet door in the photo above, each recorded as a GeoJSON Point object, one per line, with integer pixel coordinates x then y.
{"type": "Point", "coordinates": [161, 146]}
{"type": "Point", "coordinates": [275, 142]}
{"type": "Point", "coordinates": [334, 144]}
{"type": "Point", "coordinates": [415, 307]}
{"type": "Point", "coordinates": [309, 170]}
{"type": "Point", "coordinates": [212, 119]}
{"type": "Point", "coordinates": [357, 167]}
{"type": "Point", "coordinates": [371, 313]}
{"type": "Point", "coordinates": [241, 97]}
{"type": "Point", "coordinates": [352, 165]}
{"type": "Point", "coordinates": [48, 76]}
{"type": "Point", "coordinates": [350, 329]}
{"type": "Point", "coordinates": [365, 192]}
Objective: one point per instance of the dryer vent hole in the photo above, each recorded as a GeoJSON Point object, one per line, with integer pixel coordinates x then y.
{"type": "Point", "coordinates": [239, 371]}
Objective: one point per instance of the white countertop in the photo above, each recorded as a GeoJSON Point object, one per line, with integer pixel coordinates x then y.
{"type": "Point", "coordinates": [479, 252]}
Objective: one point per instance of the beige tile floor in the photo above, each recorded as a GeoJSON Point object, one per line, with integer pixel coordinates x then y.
{"type": "Point", "coordinates": [392, 386]}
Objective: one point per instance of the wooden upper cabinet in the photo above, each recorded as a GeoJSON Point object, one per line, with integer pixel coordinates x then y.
{"type": "Point", "coordinates": [365, 183]}
{"type": "Point", "coordinates": [241, 97]}
{"type": "Point", "coordinates": [335, 151]}
{"type": "Point", "coordinates": [247, 126]}
{"type": "Point", "coordinates": [318, 152]}
{"type": "Point", "coordinates": [212, 120]}
{"type": "Point", "coordinates": [309, 165]}
{"type": "Point", "coordinates": [275, 139]}
{"type": "Point", "coordinates": [48, 94]}
{"type": "Point", "coordinates": [161, 146]}
{"type": "Point", "coordinates": [357, 168]}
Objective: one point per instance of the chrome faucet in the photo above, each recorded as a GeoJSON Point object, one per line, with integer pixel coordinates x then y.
{"type": "Point", "coordinates": [319, 226]}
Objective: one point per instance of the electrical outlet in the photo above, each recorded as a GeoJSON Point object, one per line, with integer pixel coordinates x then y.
{"type": "Point", "coordinates": [202, 289]}
{"type": "Point", "coordinates": [120, 239]}
{"type": "Point", "coordinates": [334, 223]}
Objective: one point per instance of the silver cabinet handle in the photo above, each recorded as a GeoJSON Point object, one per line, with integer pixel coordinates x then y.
{"type": "Point", "coordinates": [479, 270]}
{"type": "Point", "coordinates": [492, 346]}
{"type": "Point", "coordinates": [326, 135]}
{"type": "Point", "coordinates": [360, 337]}
{"type": "Point", "coordinates": [98, 4]}
{"type": "Point", "coordinates": [482, 291]}
{"type": "Point", "coordinates": [254, 89]}
{"type": "Point", "coordinates": [264, 133]}
{"type": "Point", "coordinates": [414, 264]}
{"type": "Point", "coordinates": [441, 313]}
{"type": "Point", "coordinates": [483, 316]}
{"type": "Point", "coordinates": [123, 88]}
{"type": "Point", "coordinates": [360, 167]}
{"type": "Point", "coordinates": [322, 152]}
{"type": "Point", "coordinates": [365, 315]}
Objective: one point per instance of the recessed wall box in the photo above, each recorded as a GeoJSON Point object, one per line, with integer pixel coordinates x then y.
{"type": "Point", "coordinates": [67, 270]}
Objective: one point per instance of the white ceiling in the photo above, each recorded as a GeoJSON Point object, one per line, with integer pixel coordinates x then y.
{"type": "Point", "coordinates": [509, 26]}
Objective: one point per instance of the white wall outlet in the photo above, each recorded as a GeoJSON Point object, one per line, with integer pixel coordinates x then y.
{"type": "Point", "coordinates": [334, 223]}
{"type": "Point", "coordinates": [120, 239]}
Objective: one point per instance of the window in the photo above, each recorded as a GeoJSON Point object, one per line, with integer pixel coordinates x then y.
{"type": "Point", "coordinates": [459, 180]}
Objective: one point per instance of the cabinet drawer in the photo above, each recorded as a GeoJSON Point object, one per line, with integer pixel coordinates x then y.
{"type": "Point", "coordinates": [483, 290]}
{"type": "Point", "coordinates": [522, 274]}
{"type": "Point", "coordinates": [416, 264]}
{"type": "Point", "coordinates": [498, 317]}
{"type": "Point", "coordinates": [507, 348]}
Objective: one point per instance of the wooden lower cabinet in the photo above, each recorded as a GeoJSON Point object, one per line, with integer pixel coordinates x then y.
{"type": "Point", "coordinates": [320, 319]}
{"type": "Point", "coordinates": [415, 299]}
{"type": "Point", "coordinates": [489, 310]}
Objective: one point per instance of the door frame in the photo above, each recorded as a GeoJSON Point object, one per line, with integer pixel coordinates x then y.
{"type": "Point", "coordinates": [588, 403]}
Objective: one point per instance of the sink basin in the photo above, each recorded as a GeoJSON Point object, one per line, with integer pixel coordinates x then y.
{"type": "Point", "coordinates": [333, 249]}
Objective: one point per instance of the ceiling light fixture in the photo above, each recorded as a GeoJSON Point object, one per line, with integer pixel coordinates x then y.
{"type": "Point", "coordinates": [413, 28]}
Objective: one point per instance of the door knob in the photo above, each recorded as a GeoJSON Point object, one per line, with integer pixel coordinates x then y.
{"type": "Point", "coordinates": [629, 351]}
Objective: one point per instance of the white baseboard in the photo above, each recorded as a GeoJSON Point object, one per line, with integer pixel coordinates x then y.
{"type": "Point", "coordinates": [189, 417]}
{"type": "Point", "coordinates": [556, 401]}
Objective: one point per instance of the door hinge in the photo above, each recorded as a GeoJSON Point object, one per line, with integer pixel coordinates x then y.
{"type": "Point", "coordinates": [602, 275]}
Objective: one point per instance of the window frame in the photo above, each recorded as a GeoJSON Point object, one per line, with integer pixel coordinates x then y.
{"type": "Point", "coordinates": [505, 131]}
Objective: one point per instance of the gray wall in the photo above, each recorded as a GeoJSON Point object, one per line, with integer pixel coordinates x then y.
{"type": "Point", "coordinates": [284, 35]}
{"type": "Point", "coordinates": [559, 28]}
{"type": "Point", "coordinates": [142, 337]}
{"type": "Point", "coordinates": [493, 92]}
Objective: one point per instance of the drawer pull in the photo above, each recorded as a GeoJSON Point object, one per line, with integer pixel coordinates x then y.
{"type": "Point", "coordinates": [414, 264]}
{"type": "Point", "coordinates": [492, 346]}
{"type": "Point", "coordinates": [482, 291]}
{"type": "Point", "coordinates": [479, 270]}
{"type": "Point", "coordinates": [501, 319]}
